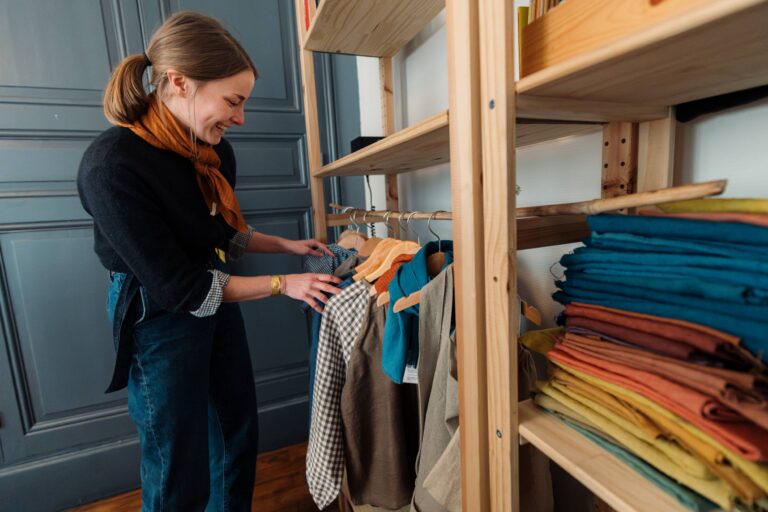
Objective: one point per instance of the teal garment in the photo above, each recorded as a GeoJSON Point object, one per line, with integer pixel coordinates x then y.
{"type": "Point", "coordinates": [401, 330]}
{"type": "Point", "coordinates": [675, 228]}
{"type": "Point", "coordinates": [683, 495]}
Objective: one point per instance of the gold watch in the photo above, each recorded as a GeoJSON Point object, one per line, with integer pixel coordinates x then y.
{"type": "Point", "coordinates": [277, 285]}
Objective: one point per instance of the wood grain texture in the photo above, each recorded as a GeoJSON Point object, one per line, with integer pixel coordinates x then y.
{"type": "Point", "coordinates": [681, 58]}
{"type": "Point", "coordinates": [502, 311]}
{"type": "Point", "coordinates": [314, 151]}
{"type": "Point", "coordinates": [462, 28]}
{"type": "Point", "coordinates": [530, 134]}
{"type": "Point", "coordinates": [373, 28]}
{"type": "Point", "coordinates": [576, 27]}
{"type": "Point", "coordinates": [613, 481]}
{"type": "Point", "coordinates": [569, 109]}
{"type": "Point", "coordinates": [280, 486]}
{"type": "Point", "coordinates": [656, 153]}
{"type": "Point", "coordinates": [619, 171]}
{"type": "Point", "coordinates": [386, 78]}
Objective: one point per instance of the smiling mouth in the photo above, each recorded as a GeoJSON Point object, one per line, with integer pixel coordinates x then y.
{"type": "Point", "coordinates": [221, 127]}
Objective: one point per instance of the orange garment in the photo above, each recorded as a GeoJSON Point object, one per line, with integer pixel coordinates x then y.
{"type": "Point", "coordinates": [742, 391]}
{"type": "Point", "coordinates": [743, 437]}
{"type": "Point", "coordinates": [756, 219]}
{"type": "Point", "coordinates": [162, 130]}
{"type": "Point", "coordinates": [382, 283]}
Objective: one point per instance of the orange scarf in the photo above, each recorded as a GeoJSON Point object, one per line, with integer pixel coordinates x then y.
{"type": "Point", "coordinates": [161, 129]}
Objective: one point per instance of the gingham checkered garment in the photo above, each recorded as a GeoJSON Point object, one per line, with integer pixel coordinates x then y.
{"type": "Point", "coordinates": [339, 329]}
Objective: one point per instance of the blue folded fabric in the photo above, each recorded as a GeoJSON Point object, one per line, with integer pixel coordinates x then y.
{"type": "Point", "coordinates": [617, 270]}
{"type": "Point", "coordinates": [680, 229]}
{"type": "Point", "coordinates": [691, 289]}
{"type": "Point", "coordinates": [638, 243]}
{"type": "Point", "coordinates": [683, 495]}
{"type": "Point", "coordinates": [593, 255]}
{"type": "Point", "coordinates": [751, 332]}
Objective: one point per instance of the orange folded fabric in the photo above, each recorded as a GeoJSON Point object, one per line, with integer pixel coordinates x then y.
{"type": "Point", "coordinates": [673, 331]}
{"type": "Point", "coordinates": [743, 437]}
{"type": "Point", "coordinates": [741, 391]}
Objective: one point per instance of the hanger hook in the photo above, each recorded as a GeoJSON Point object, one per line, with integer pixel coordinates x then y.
{"type": "Point", "coordinates": [403, 227]}
{"type": "Point", "coordinates": [408, 220]}
{"type": "Point", "coordinates": [387, 215]}
{"type": "Point", "coordinates": [365, 222]}
{"type": "Point", "coordinates": [429, 227]}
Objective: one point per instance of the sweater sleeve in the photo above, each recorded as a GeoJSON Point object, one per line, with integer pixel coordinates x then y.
{"type": "Point", "coordinates": [128, 215]}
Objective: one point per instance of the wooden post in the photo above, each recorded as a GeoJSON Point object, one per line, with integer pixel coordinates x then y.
{"type": "Point", "coordinates": [497, 104]}
{"type": "Point", "coordinates": [462, 26]}
{"type": "Point", "coordinates": [388, 127]}
{"type": "Point", "coordinates": [314, 151]}
{"type": "Point", "coordinates": [656, 153]}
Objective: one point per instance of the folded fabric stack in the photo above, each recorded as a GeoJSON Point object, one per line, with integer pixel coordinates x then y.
{"type": "Point", "coordinates": [663, 354]}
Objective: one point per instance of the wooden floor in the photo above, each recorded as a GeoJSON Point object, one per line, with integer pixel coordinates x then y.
{"type": "Point", "coordinates": [280, 486]}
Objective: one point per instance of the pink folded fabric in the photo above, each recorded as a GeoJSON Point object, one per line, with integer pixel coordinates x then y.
{"type": "Point", "coordinates": [743, 437]}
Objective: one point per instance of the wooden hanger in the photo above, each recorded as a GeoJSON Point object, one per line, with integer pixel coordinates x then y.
{"type": "Point", "coordinates": [404, 247]}
{"type": "Point", "coordinates": [352, 238]}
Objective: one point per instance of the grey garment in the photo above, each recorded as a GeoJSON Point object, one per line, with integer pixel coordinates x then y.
{"type": "Point", "coordinates": [238, 244]}
{"type": "Point", "coordinates": [381, 424]}
{"type": "Point", "coordinates": [348, 265]}
{"type": "Point", "coordinates": [215, 295]}
{"type": "Point", "coordinates": [438, 387]}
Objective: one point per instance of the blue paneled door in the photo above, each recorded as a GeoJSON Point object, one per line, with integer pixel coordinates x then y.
{"type": "Point", "coordinates": [62, 440]}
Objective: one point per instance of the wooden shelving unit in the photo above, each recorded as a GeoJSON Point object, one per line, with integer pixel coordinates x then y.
{"type": "Point", "coordinates": [605, 475]}
{"type": "Point", "coordinates": [428, 143]}
{"type": "Point", "coordinates": [611, 65]}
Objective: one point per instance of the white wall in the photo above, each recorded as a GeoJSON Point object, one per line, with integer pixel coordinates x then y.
{"type": "Point", "coordinates": [732, 144]}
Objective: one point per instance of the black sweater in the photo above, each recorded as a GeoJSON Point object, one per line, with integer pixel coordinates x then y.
{"type": "Point", "coordinates": [150, 217]}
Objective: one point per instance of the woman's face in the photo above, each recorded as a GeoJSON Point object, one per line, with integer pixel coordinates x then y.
{"type": "Point", "coordinates": [211, 108]}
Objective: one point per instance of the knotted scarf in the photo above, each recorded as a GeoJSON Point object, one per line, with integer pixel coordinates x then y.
{"type": "Point", "coordinates": [162, 130]}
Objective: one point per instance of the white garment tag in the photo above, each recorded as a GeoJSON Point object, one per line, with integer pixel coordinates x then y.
{"type": "Point", "coordinates": [411, 375]}
{"type": "Point", "coordinates": [213, 210]}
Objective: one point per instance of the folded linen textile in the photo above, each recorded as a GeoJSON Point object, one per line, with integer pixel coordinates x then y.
{"type": "Point", "coordinates": [628, 242]}
{"type": "Point", "coordinates": [757, 219]}
{"type": "Point", "coordinates": [716, 204]}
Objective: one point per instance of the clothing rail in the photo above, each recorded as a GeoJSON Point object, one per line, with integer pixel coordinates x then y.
{"type": "Point", "coordinates": [654, 197]}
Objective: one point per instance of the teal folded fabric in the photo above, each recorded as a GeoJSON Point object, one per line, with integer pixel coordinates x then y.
{"type": "Point", "coordinates": [681, 229]}
{"type": "Point", "coordinates": [628, 242]}
{"type": "Point", "coordinates": [683, 495]}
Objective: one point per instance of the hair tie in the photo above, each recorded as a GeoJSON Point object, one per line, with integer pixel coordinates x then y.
{"type": "Point", "coordinates": [146, 60]}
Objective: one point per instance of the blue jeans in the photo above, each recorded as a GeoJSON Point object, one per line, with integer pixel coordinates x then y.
{"type": "Point", "coordinates": [191, 395]}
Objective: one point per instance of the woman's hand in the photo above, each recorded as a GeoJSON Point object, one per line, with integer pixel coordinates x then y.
{"type": "Point", "coordinates": [309, 247]}
{"type": "Point", "coordinates": [311, 288]}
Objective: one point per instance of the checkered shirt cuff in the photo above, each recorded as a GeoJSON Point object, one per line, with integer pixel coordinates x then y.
{"type": "Point", "coordinates": [215, 294]}
{"type": "Point", "coordinates": [238, 244]}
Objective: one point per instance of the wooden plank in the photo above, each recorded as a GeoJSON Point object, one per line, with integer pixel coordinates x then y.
{"type": "Point", "coordinates": [656, 153]}
{"type": "Point", "coordinates": [533, 232]}
{"type": "Point", "coordinates": [314, 151]}
{"type": "Point", "coordinates": [462, 26]}
{"type": "Point", "coordinates": [569, 109]}
{"type": "Point", "coordinates": [613, 481]}
{"type": "Point", "coordinates": [530, 134]}
{"type": "Point", "coordinates": [576, 27]}
{"type": "Point", "coordinates": [386, 79]}
{"type": "Point", "coordinates": [372, 28]}
{"type": "Point", "coordinates": [418, 146]}
{"type": "Point", "coordinates": [680, 59]}
{"type": "Point", "coordinates": [425, 144]}
{"type": "Point", "coordinates": [502, 311]}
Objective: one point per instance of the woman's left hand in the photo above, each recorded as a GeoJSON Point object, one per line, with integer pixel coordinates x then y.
{"type": "Point", "coordinates": [309, 247]}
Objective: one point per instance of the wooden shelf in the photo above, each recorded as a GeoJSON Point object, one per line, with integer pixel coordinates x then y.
{"type": "Point", "coordinates": [602, 473]}
{"type": "Point", "coordinates": [427, 143]}
{"type": "Point", "coordinates": [372, 28]}
{"type": "Point", "coordinates": [714, 47]}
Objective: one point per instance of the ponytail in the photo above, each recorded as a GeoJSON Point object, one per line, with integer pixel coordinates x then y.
{"type": "Point", "coordinates": [125, 99]}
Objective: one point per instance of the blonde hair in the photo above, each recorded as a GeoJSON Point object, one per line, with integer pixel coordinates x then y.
{"type": "Point", "coordinates": [193, 44]}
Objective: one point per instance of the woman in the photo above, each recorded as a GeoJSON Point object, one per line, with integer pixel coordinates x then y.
{"type": "Point", "coordinates": [159, 187]}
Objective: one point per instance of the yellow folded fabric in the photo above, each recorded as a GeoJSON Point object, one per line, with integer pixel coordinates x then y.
{"type": "Point", "coordinates": [757, 472]}
{"type": "Point", "coordinates": [676, 455]}
{"type": "Point", "coordinates": [716, 205]}
{"type": "Point", "coordinates": [714, 490]}
{"type": "Point", "coordinates": [746, 490]}
{"type": "Point", "coordinates": [541, 340]}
